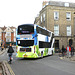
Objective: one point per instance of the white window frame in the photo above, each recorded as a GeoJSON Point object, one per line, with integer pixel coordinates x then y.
{"type": "Point", "coordinates": [68, 30]}
{"type": "Point", "coordinates": [14, 39]}
{"type": "Point", "coordinates": [14, 32]}
{"type": "Point", "coordinates": [56, 15]}
{"type": "Point", "coordinates": [41, 19]}
{"type": "Point", "coordinates": [0, 34]}
{"type": "Point", "coordinates": [68, 15]}
{"type": "Point", "coordinates": [44, 17]}
{"type": "Point", "coordinates": [8, 39]}
{"type": "Point", "coordinates": [66, 4]}
{"type": "Point", "coordinates": [56, 30]}
{"type": "Point", "coordinates": [8, 33]}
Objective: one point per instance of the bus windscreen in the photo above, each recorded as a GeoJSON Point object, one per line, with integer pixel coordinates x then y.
{"type": "Point", "coordinates": [26, 29]}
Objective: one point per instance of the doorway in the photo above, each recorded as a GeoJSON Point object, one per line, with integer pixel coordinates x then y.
{"type": "Point", "coordinates": [56, 46]}
{"type": "Point", "coordinates": [70, 42]}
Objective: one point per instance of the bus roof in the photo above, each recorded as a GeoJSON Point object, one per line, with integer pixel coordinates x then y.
{"type": "Point", "coordinates": [26, 24]}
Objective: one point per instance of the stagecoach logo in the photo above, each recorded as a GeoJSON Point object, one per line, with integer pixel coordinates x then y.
{"type": "Point", "coordinates": [26, 36]}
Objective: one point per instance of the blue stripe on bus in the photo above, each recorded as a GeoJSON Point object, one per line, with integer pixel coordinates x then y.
{"type": "Point", "coordinates": [32, 36]}
{"type": "Point", "coordinates": [35, 37]}
{"type": "Point", "coordinates": [46, 39]}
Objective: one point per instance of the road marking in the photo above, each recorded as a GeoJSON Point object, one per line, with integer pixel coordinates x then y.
{"type": "Point", "coordinates": [9, 68]}
{"type": "Point", "coordinates": [61, 57]}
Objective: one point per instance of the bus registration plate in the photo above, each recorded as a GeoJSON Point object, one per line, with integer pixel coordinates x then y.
{"type": "Point", "coordinates": [25, 55]}
{"type": "Point", "coordinates": [25, 36]}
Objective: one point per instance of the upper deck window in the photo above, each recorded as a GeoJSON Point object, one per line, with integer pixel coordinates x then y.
{"type": "Point", "coordinates": [26, 29]}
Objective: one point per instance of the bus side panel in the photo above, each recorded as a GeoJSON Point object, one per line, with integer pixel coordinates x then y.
{"type": "Point", "coordinates": [45, 52]}
{"type": "Point", "coordinates": [45, 39]}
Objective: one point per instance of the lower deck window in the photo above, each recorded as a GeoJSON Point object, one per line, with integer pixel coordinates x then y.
{"type": "Point", "coordinates": [25, 43]}
{"type": "Point", "coordinates": [44, 44]}
{"type": "Point", "coordinates": [25, 49]}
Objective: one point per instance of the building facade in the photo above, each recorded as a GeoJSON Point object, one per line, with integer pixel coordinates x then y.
{"type": "Point", "coordinates": [7, 35]}
{"type": "Point", "coordinates": [59, 17]}
{"type": "Point", "coordinates": [0, 35]}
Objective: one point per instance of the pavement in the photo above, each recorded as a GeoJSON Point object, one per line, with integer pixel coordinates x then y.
{"type": "Point", "coordinates": [1, 52]}
{"type": "Point", "coordinates": [68, 59]}
{"type": "Point", "coordinates": [5, 68]}
{"type": "Point", "coordinates": [65, 57]}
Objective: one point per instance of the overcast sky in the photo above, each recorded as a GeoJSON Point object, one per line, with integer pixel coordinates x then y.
{"type": "Point", "coordinates": [16, 12]}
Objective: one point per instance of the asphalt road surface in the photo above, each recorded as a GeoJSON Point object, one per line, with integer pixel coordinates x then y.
{"type": "Point", "coordinates": [51, 65]}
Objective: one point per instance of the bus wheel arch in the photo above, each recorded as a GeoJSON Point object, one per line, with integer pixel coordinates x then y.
{"type": "Point", "coordinates": [41, 54]}
{"type": "Point", "coordinates": [52, 52]}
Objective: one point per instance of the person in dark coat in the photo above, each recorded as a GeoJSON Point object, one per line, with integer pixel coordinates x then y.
{"type": "Point", "coordinates": [10, 51]}
{"type": "Point", "coordinates": [63, 50]}
{"type": "Point", "coordinates": [72, 51]}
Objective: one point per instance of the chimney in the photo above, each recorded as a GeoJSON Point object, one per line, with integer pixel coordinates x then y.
{"type": "Point", "coordinates": [44, 3]}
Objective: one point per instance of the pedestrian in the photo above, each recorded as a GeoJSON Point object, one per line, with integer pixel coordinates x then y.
{"type": "Point", "coordinates": [63, 50]}
{"type": "Point", "coordinates": [10, 51]}
{"type": "Point", "coordinates": [68, 48]}
{"type": "Point", "coordinates": [2, 47]}
{"type": "Point", "coordinates": [72, 50]}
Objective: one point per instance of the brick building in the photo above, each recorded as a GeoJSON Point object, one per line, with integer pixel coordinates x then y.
{"type": "Point", "coordinates": [7, 35]}
{"type": "Point", "coordinates": [59, 17]}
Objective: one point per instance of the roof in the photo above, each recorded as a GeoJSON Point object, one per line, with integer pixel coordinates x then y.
{"type": "Point", "coordinates": [4, 28]}
{"type": "Point", "coordinates": [62, 4]}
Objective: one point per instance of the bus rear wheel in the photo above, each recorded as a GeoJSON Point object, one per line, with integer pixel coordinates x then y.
{"type": "Point", "coordinates": [41, 54]}
{"type": "Point", "coordinates": [52, 52]}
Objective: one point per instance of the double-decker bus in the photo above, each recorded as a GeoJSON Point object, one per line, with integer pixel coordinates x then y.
{"type": "Point", "coordinates": [34, 41]}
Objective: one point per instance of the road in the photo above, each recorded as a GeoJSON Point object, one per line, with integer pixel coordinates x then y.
{"type": "Point", "coordinates": [50, 65]}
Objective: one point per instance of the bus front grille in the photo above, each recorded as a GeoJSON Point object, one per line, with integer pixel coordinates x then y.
{"type": "Point", "coordinates": [25, 49]}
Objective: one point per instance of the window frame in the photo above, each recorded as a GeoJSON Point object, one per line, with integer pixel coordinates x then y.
{"type": "Point", "coordinates": [43, 31]}
{"type": "Point", "coordinates": [56, 30]}
{"type": "Point", "coordinates": [68, 29]}
{"type": "Point", "coordinates": [0, 34]}
{"type": "Point", "coordinates": [8, 39]}
{"type": "Point", "coordinates": [68, 16]}
{"type": "Point", "coordinates": [41, 18]}
{"type": "Point", "coordinates": [56, 17]}
{"type": "Point", "coordinates": [7, 34]}
{"type": "Point", "coordinates": [44, 16]}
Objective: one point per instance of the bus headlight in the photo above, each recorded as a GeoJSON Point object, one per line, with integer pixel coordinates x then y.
{"type": "Point", "coordinates": [18, 42]}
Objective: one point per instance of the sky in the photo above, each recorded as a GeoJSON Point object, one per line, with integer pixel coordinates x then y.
{"type": "Point", "coordinates": [17, 12]}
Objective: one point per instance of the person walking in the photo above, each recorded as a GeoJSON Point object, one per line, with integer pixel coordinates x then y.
{"type": "Point", "coordinates": [68, 48]}
{"type": "Point", "coordinates": [63, 50]}
{"type": "Point", "coordinates": [10, 52]}
{"type": "Point", "coordinates": [2, 47]}
{"type": "Point", "coordinates": [72, 50]}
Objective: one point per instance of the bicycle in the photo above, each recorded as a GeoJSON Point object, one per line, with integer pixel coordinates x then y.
{"type": "Point", "coordinates": [10, 58]}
